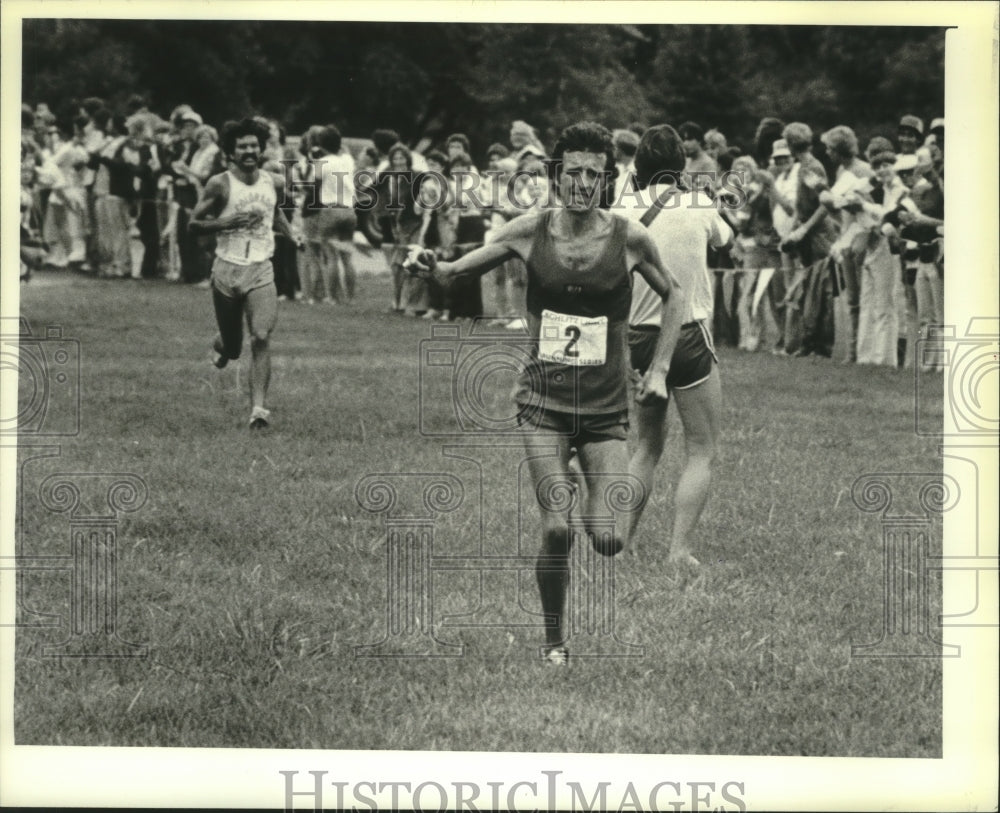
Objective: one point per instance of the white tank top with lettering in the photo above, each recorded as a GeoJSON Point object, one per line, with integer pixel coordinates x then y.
{"type": "Point", "coordinates": [254, 244]}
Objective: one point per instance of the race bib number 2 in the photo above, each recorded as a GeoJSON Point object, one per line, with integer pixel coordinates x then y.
{"type": "Point", "coordinates": [579, 341]}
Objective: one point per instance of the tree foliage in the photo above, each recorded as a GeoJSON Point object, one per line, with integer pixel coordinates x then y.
{"type": "Point", "coordinates": [429, 79]}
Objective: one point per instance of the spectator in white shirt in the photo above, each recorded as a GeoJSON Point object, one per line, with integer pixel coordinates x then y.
{"type": "Point", "coordinates": [328, 222]}
{"type": "Point", "coordinates": [844, 201]}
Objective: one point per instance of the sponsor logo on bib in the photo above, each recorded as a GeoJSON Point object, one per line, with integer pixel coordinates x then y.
{"type": "Point", "coordinates": [578, 341]}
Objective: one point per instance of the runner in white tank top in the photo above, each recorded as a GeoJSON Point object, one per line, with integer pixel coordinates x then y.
{"type": "Point", "coordinates": [253, 243]}
{"type": "Point", "coordinates": [239, 206]}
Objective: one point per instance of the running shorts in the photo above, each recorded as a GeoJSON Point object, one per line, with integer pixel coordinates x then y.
{"type": "Point", "coordinates": [578, 428]}
{"type": "Point", "coordinates": [235, 281]}
{"type": "Point", "coordinates": [693, 356]}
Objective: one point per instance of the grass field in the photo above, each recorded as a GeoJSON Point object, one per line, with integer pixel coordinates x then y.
{"type": "Point", "coordinates": [252, 573]}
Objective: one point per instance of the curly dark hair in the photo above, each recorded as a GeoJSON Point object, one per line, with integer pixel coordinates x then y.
{"type": "Point", "coordinates": [233, 130]}
{"type": "Point", "coordinates": [586, 136]}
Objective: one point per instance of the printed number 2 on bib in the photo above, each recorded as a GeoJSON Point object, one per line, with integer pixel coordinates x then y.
{"type": "Point", "coordinates": [578, 341]}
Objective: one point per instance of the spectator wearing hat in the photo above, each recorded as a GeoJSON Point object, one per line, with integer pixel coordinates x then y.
{"type": "Point", "coordinates": [910, 134]}
{"type": "Point", "coordinates": [525, 141]}
{"type": "Point", "coordinates": [844, 201]}
{"type": "Point", "coordinates": [883, 307]}
{"type": "Point", "coordinates": [923, 274]}
{"type": "Point", "coordinates": [700, 169]}
{"type": "Point", "coordinates": [625, 143]}
{"type": "Point", "coordinates": [925, 228]}
{"type": "Point", "coordinates": [531, 187]}
{"type": "Point", "coordinates": [781, 183]}
{"type": "Point", "coordinates": [186, 188]}
{"type": "Point", "coordinates": [909, 255]}
{"type": "Point", "coordinates": [876, 146]}
{"type": "Point", "coordinates": [936, 132]}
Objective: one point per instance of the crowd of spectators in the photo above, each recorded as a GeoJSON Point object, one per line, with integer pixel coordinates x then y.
{"type": "Point", "coordinates": [110, 192]}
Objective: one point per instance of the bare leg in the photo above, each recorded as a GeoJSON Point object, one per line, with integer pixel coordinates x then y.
{"type": "Point", "coordinates": [700, 408]}
{"type": "Point", "coordinates": [229, 317]}
{"type": "Point", "coordinates": [552, 565]}
{"type": "Point", "coordinates": [605, 463]}
{"type": "Point", "coordinates": [262, 313]}
{"type": "Point", "coordinates": [398, 281]}
{"type": "Point", "coordinates": [650, 433]}
{"type": "Point", "coordinates": [309, 270]}
{"type": "Point", "coordinates": [348, 276]}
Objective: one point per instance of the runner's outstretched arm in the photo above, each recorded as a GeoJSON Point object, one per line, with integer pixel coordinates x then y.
{"type": "Point", "coordinates": [513, 239]}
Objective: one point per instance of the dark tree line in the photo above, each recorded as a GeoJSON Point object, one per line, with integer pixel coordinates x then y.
{"type": "Point", "coordinates": [430, 79]}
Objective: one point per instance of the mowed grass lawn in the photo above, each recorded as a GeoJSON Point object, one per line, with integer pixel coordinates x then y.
{"type": "Point", "coordinates": [252, 573]}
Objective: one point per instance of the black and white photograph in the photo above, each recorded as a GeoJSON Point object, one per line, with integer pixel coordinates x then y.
{"type": "Point", "coordinates": [512, 406]}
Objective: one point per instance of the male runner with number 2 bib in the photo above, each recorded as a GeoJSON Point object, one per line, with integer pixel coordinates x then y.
{"type": "Point", "coordinates": [574, 391]}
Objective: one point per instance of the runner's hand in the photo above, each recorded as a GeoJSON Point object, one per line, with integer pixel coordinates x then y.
{"type": "Point", "coordinates": [243, 220]}
{"type": "Point", "coordinates": [420, 261]}
{"type": "Point", "coordinates": [652, 387]}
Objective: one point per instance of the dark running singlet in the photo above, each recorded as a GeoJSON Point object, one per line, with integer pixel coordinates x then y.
{"type": "Point", "coordinates": [578, 322]}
